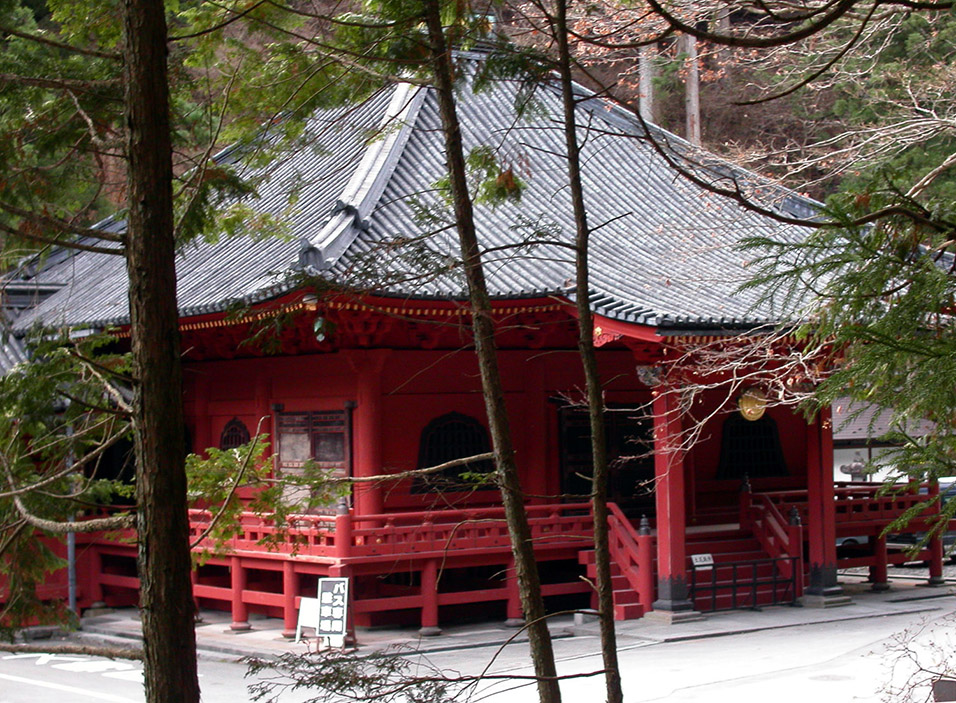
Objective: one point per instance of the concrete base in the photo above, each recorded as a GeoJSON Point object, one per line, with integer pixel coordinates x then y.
{"type": "Point", "coordinates": [834, 601]}
{"type": "Point", "coordinates": [514, 622]}
{"type": "Point", "coordinates": [880, 587]}
{"type": "Point", "coordinates": [429, 631]}
{"type": "Point", "coordinates": [671, 617]}
{"type": "Point", "coordinates": [582, 617]}
{"type": "Point", "coordinates": [936, 581]}
{"type": "Point", "coordinates": [238, 628]}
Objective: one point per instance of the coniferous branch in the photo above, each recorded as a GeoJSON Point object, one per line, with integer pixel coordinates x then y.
{"type": "Point", "coordinates": [79, 85]}
{"type": "Point", "coordinates": [43, 39]}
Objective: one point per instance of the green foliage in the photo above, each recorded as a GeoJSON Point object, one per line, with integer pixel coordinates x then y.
{"type": "Point", "coordinates": [231, 483]}
{"type": "Point", "coordinates": [492, 182]}
{"type": "Point", "coordinates": [57, 416]}
{"type": "Point", "coordinates": [251, 83]}
{"type": "Point", "coordinates": [881, 289]}
{"type": "Point", "coordinates": [496, 182]}
{"type": "Point", "coordinates": [391, 676]}
{"type": "Point", "coordinates": [39, 125]}
{"type": "Point", "coordinates": [882, 296]}
{"type": "Point", "coordinates": [901, 98]}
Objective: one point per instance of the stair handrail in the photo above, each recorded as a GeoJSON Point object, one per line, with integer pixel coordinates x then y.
{"type": "Point", "coordinates": [770, 527]}
{"type": "Point", "coordinates": [634, 554]}
{"type": "Point", "coordinates": [779, 537]}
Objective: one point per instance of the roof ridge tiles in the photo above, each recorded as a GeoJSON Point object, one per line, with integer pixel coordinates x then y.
{"type": "Point", "coordinates": [365, 187]}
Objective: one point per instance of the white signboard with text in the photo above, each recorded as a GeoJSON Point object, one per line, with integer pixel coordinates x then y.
{"type": "Point", "coordinates": [333, 610]}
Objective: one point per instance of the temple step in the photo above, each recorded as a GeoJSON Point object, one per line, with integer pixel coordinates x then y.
{"type": "Point", "coordinates": [626, 605]}
{"type": "Point", "coordinates": [628, 611]}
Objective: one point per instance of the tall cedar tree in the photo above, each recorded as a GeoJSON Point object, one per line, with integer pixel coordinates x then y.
{"type": "Point", "coordinates": [166, 598]}
{"type": "Point", "coordinates": [595, 392]}
{"type": "Point", "coordinates": [526, 568]}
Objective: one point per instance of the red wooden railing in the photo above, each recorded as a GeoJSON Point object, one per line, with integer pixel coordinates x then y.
{"type": "Point", "coordinates": [634, 555]}
{"type": "Point", "coordinates": [855, 504]}
{"type": "Point", "coordinates": [413, 533]}
{"type": "Point", "coordinates": [779, 538]}
{"type": "Point", "coordinates": [860, 503]}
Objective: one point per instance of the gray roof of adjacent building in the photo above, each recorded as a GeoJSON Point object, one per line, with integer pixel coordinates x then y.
{"type": "Point", "coordinates": [857, 423]}
{"type": "Point", "coordinates": [367, 211]}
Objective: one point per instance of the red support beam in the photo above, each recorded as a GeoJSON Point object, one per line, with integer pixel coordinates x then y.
{"type": "Point", "coordinates": [367, 429]}
{"type": "Point", "coordinates": [879, 571]}
{"type": "Point", "coordinates": [290, 589]}
{"type": "Point", "coordinates": [240, 613]}
{"type": "Point", "coordinates": [821, 511]}
{"type": "Point", "coordinates": [429, 626]}
{"type": "Point", "coordinates": [672, 593]}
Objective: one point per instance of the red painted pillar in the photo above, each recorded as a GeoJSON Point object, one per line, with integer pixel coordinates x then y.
{"type": "Point", "coordinates": [95, 566]}
{"type": "Point", "coordinates": [645, 560]}
{"type": "Point", "coordinates": [533, 454]}
{"type": "Point", "coordinates": [240, 613]}
{"type": "Point", "coordinates": [935, 544]}
{"type": "Point", "coordinates": [879, 572]}
{"type": "Point", "coordinates": [672, 593]}
{"type": "Point", "coordinates": [290, 589]}
{"type": "Point", "coordinates": [194, 579]}
{"type": "Point", "coordinates": [821, 527]}
{"type": "Point", "coordinates": [429, 626]}
{"type": "Point", "coordinates": [263, 403]}
{"type": "Point", "coordinates": [343, 532]}
{"type": "Point", "coordinates": [367, 429]}
{"type": "Point", "coordinates": [203, 424]}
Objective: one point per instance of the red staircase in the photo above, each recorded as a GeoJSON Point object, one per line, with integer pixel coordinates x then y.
{"type": "Point", "coordinates": [627, 605]}
{"type": "Point", "coordinates": [632, 565]}
{"type": "Point", "coordinates": [742, 575]}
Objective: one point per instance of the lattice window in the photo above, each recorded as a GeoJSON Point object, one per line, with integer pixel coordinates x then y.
{"type": "Point", "coordinates": [318, 436]}
{"type": "Point", "coordinates": [234, 435]}
{"type": "Point", "coordinates": [322, 437]}
{"type": "Point", "coordinates": [453, 436]}
{"type": "Point", "coordinates": [630, 465]}
{"type": "Point", "coordinates": [750, 448]}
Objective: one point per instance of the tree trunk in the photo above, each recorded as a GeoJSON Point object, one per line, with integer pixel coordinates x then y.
{"type": "Point", "coordinates": [595, 392]}
{"type": "Point", "coordinates": [526, 567]}
{"type": "Point", "coordinates": [166, 601]}
{"type": "Point", "coordinates": [647, 72]}
{"type": "Point", "coordinates": [692, 89]}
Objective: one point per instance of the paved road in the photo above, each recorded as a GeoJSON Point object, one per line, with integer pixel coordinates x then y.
{"type": "Point", "coordinates": [842, 661]}
{"type": "Point", "coordinates": [846, 661]}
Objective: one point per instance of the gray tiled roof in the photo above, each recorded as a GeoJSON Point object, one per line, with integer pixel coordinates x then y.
{"type": "Point", "coordinates": [856, 423]}
{"type": "Point", "coordinates": [663, 251]}
{"type": "Point", "coordinates": [11, 352]}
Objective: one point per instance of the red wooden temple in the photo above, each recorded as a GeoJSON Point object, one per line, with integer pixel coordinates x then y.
{"type": "Point", "coordinates": [383, 379]}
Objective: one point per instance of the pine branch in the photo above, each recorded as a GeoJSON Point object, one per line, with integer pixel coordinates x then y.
{"type": "Point", "coordinates": [53, 241]}
{"type": "Point", "coordinates": [105, 524]}
{"type": "Point", "coordinates": [80, 85]}
{"type": "Point", "coordinates": [55, 223]}
{"type": "Point", "coordinates": [40, 39]}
